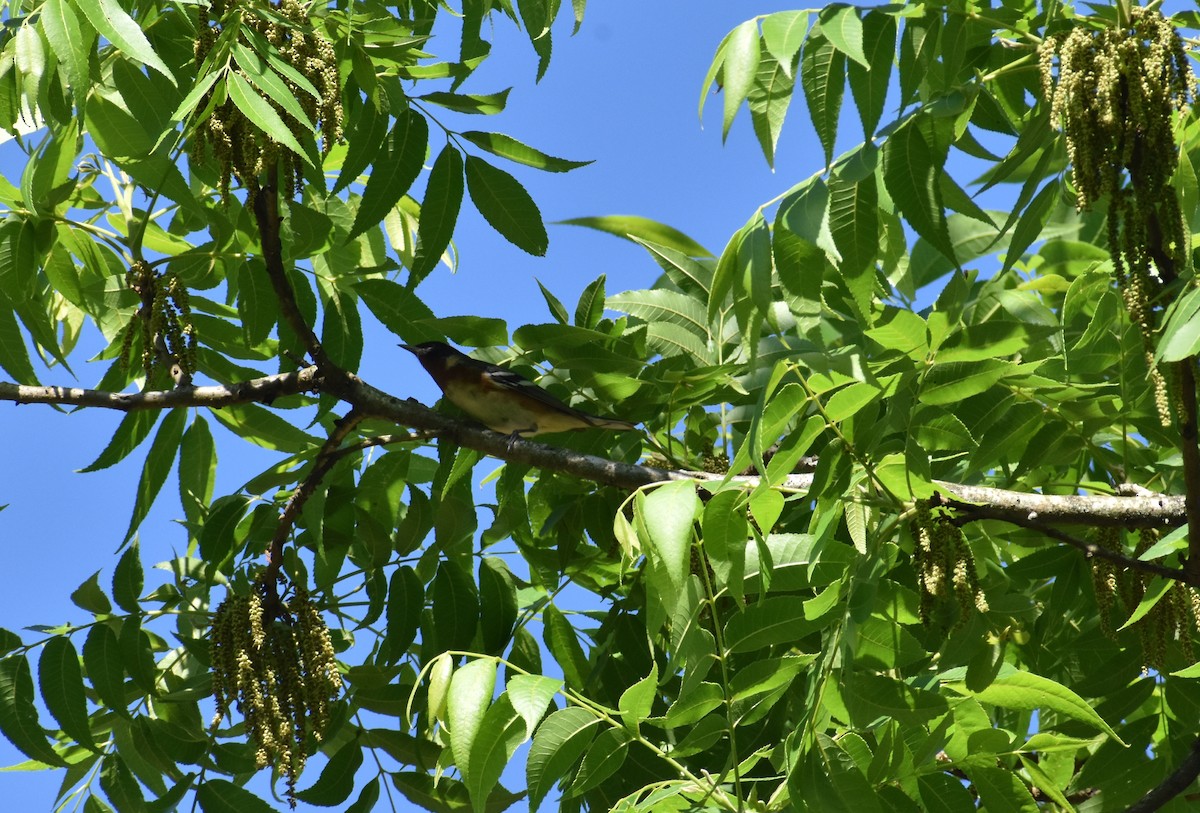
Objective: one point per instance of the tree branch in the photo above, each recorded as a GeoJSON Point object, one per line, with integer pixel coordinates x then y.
{"type": "Point", "coordinates": [324, 461]}
{"type": "Point", "coordinates": [262, 390]}
{"type": "Point", "coordinates": [1175, 783]}
{"type": "Point", "coordinates": [972, 513]}
{"type": "Point", "coordinates": [266, 212]}
{"type": "Point", "coordinates": [1146, 511]}
{"type": "Point", "coordinates": [1190, 451]}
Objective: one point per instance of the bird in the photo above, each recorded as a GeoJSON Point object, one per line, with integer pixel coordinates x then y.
{"type": "Point", "coordinates": [500, 399]}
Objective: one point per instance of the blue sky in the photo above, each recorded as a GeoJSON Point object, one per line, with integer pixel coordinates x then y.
{"type": "Point", "coordinates": [623, 92]}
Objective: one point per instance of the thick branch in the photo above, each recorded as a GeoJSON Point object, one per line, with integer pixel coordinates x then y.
{"type": "Point", "coordinates": [1190, 452]}
{"type": "Point", "coordinates": [266, 212]}
{"type": "Point", "coordinates": [1148, 511]}
{"type": "Point", "coordinates": [263, 390]}
{"type": "Point", "coordinates": [1175, 783]}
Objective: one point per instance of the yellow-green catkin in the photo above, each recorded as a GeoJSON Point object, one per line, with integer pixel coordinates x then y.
{"type": "Point", "coordinates": [274, 662]}
{"type": "Point", "coordinates": [945, 566]}
{"type": "Point", "coordinates": [1104, 576]}
{"type": "Point", "coordinates": [163, 322]}
{"type": "Point", "coordinates": [1116, 93]}
{"type": "Point", "coordinates": [240, 150]}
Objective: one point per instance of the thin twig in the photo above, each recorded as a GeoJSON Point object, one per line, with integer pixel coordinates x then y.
{"type": "Point", "coordinates": [324, 461]}
{"type": "Point", "coordinates": [971, 513]}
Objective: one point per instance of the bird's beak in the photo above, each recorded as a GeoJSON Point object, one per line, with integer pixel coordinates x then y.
{"type": "Point", "coordinates": [408, 347]}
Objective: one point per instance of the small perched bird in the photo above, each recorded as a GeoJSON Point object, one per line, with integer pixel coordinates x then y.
{"type": "Point", "coordinates": [500, 399]}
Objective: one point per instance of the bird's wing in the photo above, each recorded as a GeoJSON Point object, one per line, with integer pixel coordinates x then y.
{"type": "Point", "coordinates": [507, 379]}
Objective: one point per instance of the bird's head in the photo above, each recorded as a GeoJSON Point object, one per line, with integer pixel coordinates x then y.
{"type": "Point", "coordinates": [434, 354]}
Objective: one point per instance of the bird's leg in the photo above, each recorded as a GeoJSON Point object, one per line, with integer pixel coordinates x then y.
{"type": "Point", "coordinates": [515, 435]}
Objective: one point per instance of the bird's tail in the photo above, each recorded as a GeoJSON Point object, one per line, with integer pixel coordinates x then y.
{"type": "Point", "coordinates": [609, 423]}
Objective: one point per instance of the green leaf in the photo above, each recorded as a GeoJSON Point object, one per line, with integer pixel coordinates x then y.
{"type": "Point", "coordinates": [663, 305]}
{"type": "Point", "coordinates": [956, 381]}
{"type": "Point", "coordinates": [89, 596]}
{"type": "Point", "coordinates": [667, 514]}
{"type": "Point", "coordinates": [604, 757]}
{"type": "Point", "coordinates": [18, 258]}
{"type": "Point", "coordinates": [222, 796]}
{"type": "Point", "coordinates": [530, 696]}
{"type": "Point", "coordinates": [270, 84]}
{"type": "Point", "coordinates": [341, 330]}
{"type": "Point", "coordinates": [506, 206]}
{"type": "Point", "coordinates": [508, 147]}
{"type": "Point", "coordinates": [754, 262]}
{"type": "Point", "coordinates": [783, 33]}
{"type": "Point", "coordinates": [557, 309]}
{"type": "Point", "coordinates": [1001, 791]}
{"type": "Point", "coordinates": [1026, 691]}
{"type": "Point", "coordinates": [470, 696]}
{"type": "Point", "coordinates": [911, 177]}
{"type": "Point", "coordinates": [134, 428]}
{"type": "Point", "coordinates": [217, 535]}
{"type": "Point", "coordinates": [642, 230]}
{"type": "Point", "coordinates": [367, 799]}
{"type": "Point", "coordinates": [406, 597]}
{"type": "Point", "coordinates": [692, 276]}
{"type": "Point", "coordinates": [116, 26]}
{"type": "Point", "coordinates": [1032, 222]}
{"type": "Point", "coordinates": [561, 640]}
{"type": "Point", "coordinates": [738, 70]}
{"type": "Point", "coordinates": [395, 167]}
{"type": "Point", "coordinates": [590, 307]}
{"type": "Point", "coordinates": [102, 658]}
{"type": "Point", "coordinates": [364, 139]}
{"type": "Point", "coordinates": [694, 705]}
{"type": "Point", "coordinates": [1155, 591]}
{"type": "Point", "coordinates": [197, 470]}
{"type": "Point", "coordinates": [849, 400]}
{"type": "Point", "coordinates": [1181, 331]}
{"type": "Point", "coordinates": [557, 745]}
{"type": "Point", "coordinates": [159, 462]}
{"type": "Point", "coordinates": [71, 45]}
{"type": "Point", "coordinates": [501, 731]}
{"type": "Point", "coordinates": [119, 784]}
{"type": "Point", "coordinates": [455, 606]}
{"type": "Point", "coordinates": [14, 356]}
{"type": "Point", "coordinates": [264, 428]}
{"type": "Point", "coordinates": [137, 654]}
{"type": "Point", "coordinates": [61, 682]}
{"type": "Point", "coordinates": [262, 115]}
{"type": "Point", "coordinates": [823, 77]}
{"type": "Point", "coordinates": [841, 25]}
{"type": "Point", "coordinates": [336, 781]}
{"type": "Point", "coordinates": [257, 306]}
{"type": "Point", "coordinates": [128, 579]}
{"type": "Point", "coordinates": [774, 620]}
{"type": "Point", "coordinates": [769, 99]}
{"type": "Point", "coordinates": [830, 780]}
{"type": "Point", "coordinates": [537, 15]}
{"type": "Point", "coordinates": [637, 701]}
{"type": "Point", "coordinates": [869, 84]}
{"type": "Point", "coordinates": [439, 211]}
{"type": "Point", "coordinates": [18, 716]}
{"type": "Point", "coordinates": [480, 104]}
{"type": "Point", "coordinates": [398, 309]}
{"type": "Point", "coordinates": [497, 604]}
{"type": "Point", "coordinates": [854, 224]}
